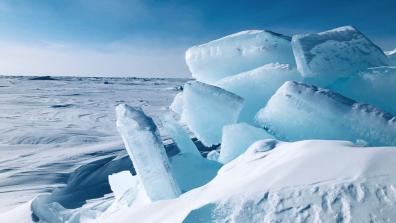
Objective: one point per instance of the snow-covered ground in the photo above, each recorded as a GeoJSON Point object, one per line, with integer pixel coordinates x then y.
{"type": "Point", "coordinates": [49, 128]}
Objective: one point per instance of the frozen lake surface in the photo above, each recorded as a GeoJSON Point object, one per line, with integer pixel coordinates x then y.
{"type": "Point", "coordinates": [49, 128]}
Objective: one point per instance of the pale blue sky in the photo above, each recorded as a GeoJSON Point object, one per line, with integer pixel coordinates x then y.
{"type": "Point", "coordinates": [148, 38]}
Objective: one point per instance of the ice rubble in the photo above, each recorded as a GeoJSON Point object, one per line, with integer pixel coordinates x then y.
{"type": "Point", "coordinates": [145, 148]}
{"type": "Point", "coordinates": [339, 52]}
{"type": "Point", "coordinates": [257, 86]}
{"type": "Point", "coordinates": [237, 53]}
{"type": "Point", "coordinates": [299, 111]}
{"type": "Point", "coordinates": [206, 109]}
{"type": "Point", "coordinates": [237, 138]}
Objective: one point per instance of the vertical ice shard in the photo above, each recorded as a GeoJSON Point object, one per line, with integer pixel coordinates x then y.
{"type": "Point", "coordinates": [343, 51]}
{"type": "Point", "coordinates": [257, 86]}
{"type": "Point", "coordinates": [206, 109]}
{"type": "Point", "coordinates": [237, 138]}
{"type": "Point", "coordinates": [237, 53]}
{"type": "Point", "coordinates": [298, 111]}
{"type": "Point", "coordinates": [179, 135]}
{"type": "Point", "coordinates": [145, 148]}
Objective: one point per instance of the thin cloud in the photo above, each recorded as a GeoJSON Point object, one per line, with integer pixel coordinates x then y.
{"type": "Point", "coordinates": [60, 59]}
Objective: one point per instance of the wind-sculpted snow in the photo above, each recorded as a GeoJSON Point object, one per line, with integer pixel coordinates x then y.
{"type": "Point", "coordinates": [257, 86]}
{"type": "Point", "coordinates": [42, 148]}
{"type": "Point", "coordinates": [206, 109]}
{"type": "Point", "coordinates": [305, 181]}
{"type": "Point", "coordinates": [238, 53]}
{"type": "Point", "coordinates": [343, 51]}
{"type": "Point", "coordinates": [145, 148]}
{"type": "Point", "coordinates": [298, 111]}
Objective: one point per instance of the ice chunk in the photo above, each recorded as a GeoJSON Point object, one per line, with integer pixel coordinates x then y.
{"type": "Point", "coordinates": [206, 109]}
{"type": "Point", "coordinates": [299, 111]}
{"type": "Point", "coordinates": [237, 138]}
{"type": "Point", "coordinates": [237, 53]}
{"type": "Point", "coordinates": [213, 155]}
{"type": "Point", "coordinates": [192, 171]}
{"type": "Point", "coordinates": [375, 86]}
{"type": "Point", "coordinates": [392, 57]}
{"type": "Point", "coordinates": [179, 135]}
{"type": "Point", "coordinates": [145, 148]}
{"type": "Point", "coordinates": [177, 104]}
{"type": "Point", "coordinates": [257, 86]}
{"type": "Point", "coordinates": [121, 182]}
{"type": "Point", "coordinates": [329, 55]}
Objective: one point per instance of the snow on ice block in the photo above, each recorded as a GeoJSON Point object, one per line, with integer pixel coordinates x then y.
{"type": "Point", "coordinates": [338, 52]}
{"type": "Point", "coordinates": [257, 86]}
{"type": "Point", "coordinates": [298, 111]}
{"type": "Point", "coordinates": [237, 138]}
{"type": "Point", "coordinates": [177, 104]}
{"type": "Point", "coordinates": [237, 53]}
{"type": "Point", "coordinates": [207, 108]}
{"type": "Point", "coordinates": [145, 148]}
{"type": "Point", "coordinates": [179, 135]}
{"type": "Point", "coordinates": [392, 57]}
{"type": "Point", "coordinates": [375, 86]}
{"type": "Point", "coordinates": [121, 182]}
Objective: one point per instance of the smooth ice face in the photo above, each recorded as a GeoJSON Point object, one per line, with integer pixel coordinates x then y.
{"type": "Point", "coordinates": [206, 109]}
{"type": "Point", "coordinates": [338, 52]}
{"type": "Point", "coordinates": [237, 138]}
{"type": "Point", "coordinates": [237, 53]}
{"type": "Point", "coordinates": [375, 86]}
{"type": "Point", "coordinates": [257, 86]}
{"type": "Point", "coordinates": [298, 111]}
{"type": "Point", "coordinates": [145, 148]}
{"type": "Point", "coordinates": [179, 135]}
{"type": "Point", "coordinates": [392, 57]}
{"type": "Point", "coordinates": [177, 104]}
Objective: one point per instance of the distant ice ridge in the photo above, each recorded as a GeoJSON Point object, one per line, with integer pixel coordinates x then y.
{"type": "Point", "coordinates": [328, 55]}
{"type": "Point", "coordinates": [257, 86]}
{"type": "Point", "coordinates": [238, 53]}
{"type": "Point", "coordinates": [145, 148]}
{"type": "Point", "coordinates": [299, 111]}
{"type": "Point", "coordinates": [207, 108]}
